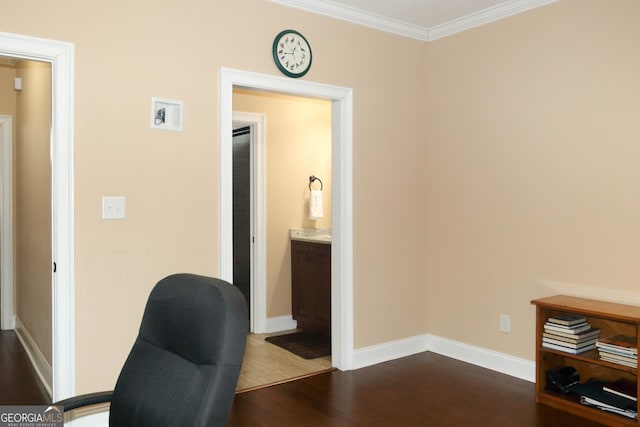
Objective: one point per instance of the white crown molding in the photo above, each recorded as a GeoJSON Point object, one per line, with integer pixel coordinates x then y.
{"type": "Point", "coordinates": [367, 19]}
{"type": "Point", "coordinates": [484, 17]}
{"type": "Point", "coordinates": [357, 16]}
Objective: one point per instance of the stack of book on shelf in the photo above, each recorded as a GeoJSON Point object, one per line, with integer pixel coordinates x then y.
{"type": "Point", "coordinates": [620, 349]}
{"type": "Point", "coordinates": [570, 334]}
{"type": "Point", "coordinates": [619, 397]}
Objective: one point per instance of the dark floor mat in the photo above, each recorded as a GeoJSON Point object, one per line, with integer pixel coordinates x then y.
{"type": "Point", "coordinates": [308, 345]}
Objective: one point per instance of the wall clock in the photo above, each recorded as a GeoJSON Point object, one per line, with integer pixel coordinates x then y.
{"type": "Point", "coordinates": [292, 53]}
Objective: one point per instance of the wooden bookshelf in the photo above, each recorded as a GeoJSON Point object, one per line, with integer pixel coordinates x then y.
{"type": "Point", "coordinates": [611, 319]}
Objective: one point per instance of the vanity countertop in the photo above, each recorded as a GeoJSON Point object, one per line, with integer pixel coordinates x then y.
{"type": "Point", "coordinates": [315, 235]}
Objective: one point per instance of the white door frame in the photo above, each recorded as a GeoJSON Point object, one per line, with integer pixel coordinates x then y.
{"type": "Point", "coordinates": [258, 287]}
{"type": "Point", "coordinates": [61, 57]}
{"type": "Point", "coordinates": [341, 193]}
{"type": "Point", "coordinates": [8, 320]}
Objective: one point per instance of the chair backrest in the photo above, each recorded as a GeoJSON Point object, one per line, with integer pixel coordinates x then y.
{"type": "Point", "coordinates": [184, 366]}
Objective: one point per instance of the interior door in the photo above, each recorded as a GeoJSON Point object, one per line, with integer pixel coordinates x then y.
{"type": "Point", "coordinates": [242, 211]}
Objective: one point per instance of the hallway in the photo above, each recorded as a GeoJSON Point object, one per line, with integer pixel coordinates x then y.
{"type": "Point", "coordinates": [18, 381]}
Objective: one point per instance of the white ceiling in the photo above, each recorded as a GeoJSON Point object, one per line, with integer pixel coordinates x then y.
{"type": "Point", "coordinates": [421, 19]}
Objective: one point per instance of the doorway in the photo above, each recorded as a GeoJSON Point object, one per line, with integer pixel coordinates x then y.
{"type": "Point", "coordinates": [242, 212]}
{"type": "Point", "coordinates": [61, 57]}
{"type": "Point", "coordinates": [342, 246]}
{"type": "Point", "coordinates": [298, 146]}
{"type": "Point", "coordinates": [26, 208]}
{"type": "Point", "coordinates": [256, 222]}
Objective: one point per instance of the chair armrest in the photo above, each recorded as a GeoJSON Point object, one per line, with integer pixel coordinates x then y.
{"type": "Point", "coordinates": [85, 400]}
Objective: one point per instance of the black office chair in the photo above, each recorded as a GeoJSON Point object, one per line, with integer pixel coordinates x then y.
{"type": "Point", "coordinates": [184, 366]}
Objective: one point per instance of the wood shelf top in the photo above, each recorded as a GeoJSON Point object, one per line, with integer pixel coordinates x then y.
{"type": "Point", "coordinates": [611, 310]}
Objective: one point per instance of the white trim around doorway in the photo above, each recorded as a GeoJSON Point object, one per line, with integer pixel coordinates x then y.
{"type": "Point", "coordinates": [61, 57]}
{"type": "Point", "coordinates": [8, 319]}
{"type": "Point", "coordinates": [258, 292]}
{"type": "Point", "coordinates": [342, 203]}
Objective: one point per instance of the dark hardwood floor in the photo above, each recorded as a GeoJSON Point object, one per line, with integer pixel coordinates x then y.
{"type": "Point", "coordinates": [19, 384]}
{"type": "Point", "coordinates": [425, 390]}
{"type": "Point", "coordinates": [420, 390]}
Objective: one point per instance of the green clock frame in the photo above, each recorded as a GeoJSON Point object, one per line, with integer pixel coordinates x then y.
{"type": "Point", "coordinates": [279, 57]}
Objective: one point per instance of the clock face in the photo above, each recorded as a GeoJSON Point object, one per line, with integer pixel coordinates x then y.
{"type": "Point", "coordinates": [292, 53]}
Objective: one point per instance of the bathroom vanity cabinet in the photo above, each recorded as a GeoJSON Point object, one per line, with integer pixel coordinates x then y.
{"type": "Point", "coordinates": [311, 285]}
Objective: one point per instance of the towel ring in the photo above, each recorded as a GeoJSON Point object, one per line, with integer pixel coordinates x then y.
{"type": "Point", "coordinates": [313, 178]}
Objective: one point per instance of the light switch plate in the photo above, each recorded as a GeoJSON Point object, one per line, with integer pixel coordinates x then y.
{"type": "Point", "coordinates": [113, 207]}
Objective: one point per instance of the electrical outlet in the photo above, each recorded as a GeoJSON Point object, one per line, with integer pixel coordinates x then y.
{"type": "Point", "coordinates": [505, 323]}
{"type": "Point", "coordinates": [113, 208]}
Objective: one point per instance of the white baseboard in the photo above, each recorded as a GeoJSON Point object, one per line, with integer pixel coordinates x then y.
{"type": "Point", "coordinates": [11, 324]}
{"type": "Point", "coordinates": [389, 351]}
{"type": "Point", "coordinates": [281, 323]}
{"type": "Point", "coordinates": [38, 361]}
{"type": "Point", "coordinates": [499, 362]}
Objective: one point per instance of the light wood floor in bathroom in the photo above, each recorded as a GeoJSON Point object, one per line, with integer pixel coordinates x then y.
{"type": "Point", "coordinates": [266, 364]}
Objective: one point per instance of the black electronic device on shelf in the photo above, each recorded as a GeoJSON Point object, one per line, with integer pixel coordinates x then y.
{"type": "Point", "coordinates": [562, 378]}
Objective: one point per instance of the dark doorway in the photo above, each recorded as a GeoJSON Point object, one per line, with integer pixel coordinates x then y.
{"type": "Point", "coordinates": [242, 211]}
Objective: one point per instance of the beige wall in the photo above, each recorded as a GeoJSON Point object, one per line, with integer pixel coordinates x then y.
{"type": "Point", "coordinates": [531, 168]}
{"type": "Point", "coordinates": [298, 145]}
{"type": "Point", "coordinates": [170, 179]}
{"type": "Point", "coordinates": [487, 165]}
{"type": "Point", "coordinates": [7, 94]}
{"type": "Point", "coordinates": [32, 203]}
